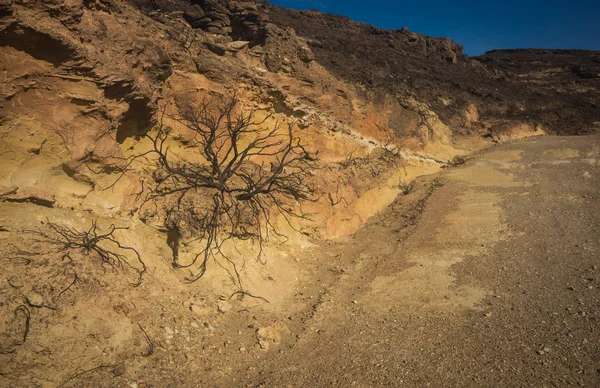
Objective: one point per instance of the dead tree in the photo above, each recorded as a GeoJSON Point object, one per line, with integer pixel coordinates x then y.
{"type": "Point", "coordinates": [91, 242]}
{"type": "Point", "coordinates": [243, 172]}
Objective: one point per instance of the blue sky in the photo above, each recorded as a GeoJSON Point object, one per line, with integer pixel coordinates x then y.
{"type": "Point", "coordinates": [478, 25]}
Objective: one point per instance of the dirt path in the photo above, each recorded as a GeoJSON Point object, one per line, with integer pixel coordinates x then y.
{"type": "Point", "coordinates": [496, 285]}
{"type": "Point", "coordinates": [484, 275]}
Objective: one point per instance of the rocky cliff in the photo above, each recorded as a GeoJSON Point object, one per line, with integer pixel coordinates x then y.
{"type": "Point", "coordinates": [554, 88]}
{"type": "Point", "coordinates": [83, 82]}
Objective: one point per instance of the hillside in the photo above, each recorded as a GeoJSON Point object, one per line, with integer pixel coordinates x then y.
{"type": "Point", "coordinates": [101, 282]}
{"type": "Point", "coordinates": [555, 88]}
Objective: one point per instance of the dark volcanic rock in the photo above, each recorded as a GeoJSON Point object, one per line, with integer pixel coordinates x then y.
{"type": "Point", "coordinates": [563, 85]}
{"type": "Point", "coordinates": [558, 89]}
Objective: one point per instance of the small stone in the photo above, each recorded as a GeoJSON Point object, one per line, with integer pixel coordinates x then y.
{"type": "Point", "coordinates": [544, 350]}
{"type": "Point", "coordinates": [264, 344]}
{"type": "Point", "coordinates": [488, 314]}
{"type": "Point", "coordinates": [119, 370]}
{"type": "Point", "coordinates": [169, 330]}
{"type": "Point", "coordinates": [242, 349]}
{"type": "Point", "coordinates": [194, 325]}
{"type": "Point", "coordinates": [187, 304]}
{"type": "Point", "coordinates": [160, 175]}
{"type": "Point", "coordinates": [355, 302]}
{"type": "Point", "coordinates": [224, 307]}
{"type": "Point", "coordinates": [36, 300]}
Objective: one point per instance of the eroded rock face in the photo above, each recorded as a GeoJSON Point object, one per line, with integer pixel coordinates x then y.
{"type": "Point", "coordinates": [565, 85]}
{"type": "Point", "coordinates": [83, 81]}
{"type": "Point", "coordinates": [555, 88]}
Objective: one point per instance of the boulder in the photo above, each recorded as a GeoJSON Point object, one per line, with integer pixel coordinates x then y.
{"type": "Point", "coordinates": [238, 45]}
{"type": "Point", "coordinates": [193, 14]}
{"type": "Point", "coordinates": [305, 54]}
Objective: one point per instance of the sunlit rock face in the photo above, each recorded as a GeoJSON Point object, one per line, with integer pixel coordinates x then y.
{"type": "Point", "coordinates": [82, 82]}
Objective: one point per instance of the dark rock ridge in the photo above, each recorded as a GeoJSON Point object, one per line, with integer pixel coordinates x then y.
{"type": "Point", "coordinates": [555, 88]}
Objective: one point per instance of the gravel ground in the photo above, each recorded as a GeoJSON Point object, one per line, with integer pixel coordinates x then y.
{"type": "Point", "coordinates": [496, 285]}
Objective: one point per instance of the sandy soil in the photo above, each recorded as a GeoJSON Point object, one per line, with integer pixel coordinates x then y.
{"type": "Point", "coordinates": [485, 274]}
{"type": "Point", "coordinates": [496, 286]}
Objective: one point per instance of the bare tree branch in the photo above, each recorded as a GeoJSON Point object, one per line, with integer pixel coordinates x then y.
{"type": "Point", "coordinates": [63, 239]}
{"type": "Point", "coordinates": [243, 173]}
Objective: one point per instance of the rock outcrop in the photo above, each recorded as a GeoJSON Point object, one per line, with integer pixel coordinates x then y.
{"type": "Point", "coordinates": [557, 89]}
{"type": "Point", "coordinates": [82, 82]}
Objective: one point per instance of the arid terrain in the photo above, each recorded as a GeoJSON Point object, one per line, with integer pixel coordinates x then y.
{"type": "Point", "coordinates": [231, 193]}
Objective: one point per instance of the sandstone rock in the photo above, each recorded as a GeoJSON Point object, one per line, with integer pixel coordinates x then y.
{"type": "Point", "coordinates": [215, 30]}
{"type": "Point", "coordinates": [216, 48]}
{"type": "Point", "coordinates": [305, 54]}
{"type": "Point", "coordinates": [7, 191]}
{"type": "Point", "coordinates": [270, 333]}
{"type": "Point", "coordinates": [224, 307]}
{"type": "Point", "coordinates": [28, 194]}
{"type": "Point", "coordinates": [159, 175]}
{"type": "Point", "coordinates": [458, 160]}
{"type": "Point", "coordinates": [216, 23]}
{"type": "Point", "coordinates": [244, 7]}
{"type": "Point", "coordinates": [238, 45]}
{"type": "Point", "coordinates": [193, 14]}
{"type": "Point", "coordinates": [218, 16]}
{"type": "Point", "coordinates": [217, 9]}
{"type": "Point", "coordinates": [264, 344]}
{"type": "Point", "coordinates": [36, 300]}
